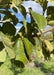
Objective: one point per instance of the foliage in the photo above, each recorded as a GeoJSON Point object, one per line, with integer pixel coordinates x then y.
{"type": "Point", "coordinates": [33, 71]}
{"type": "Point", "coordinates": [46, 67]}
{"type": "Point", "coordinates": [18, 49]}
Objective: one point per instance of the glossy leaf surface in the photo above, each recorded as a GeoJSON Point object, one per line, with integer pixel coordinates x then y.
{"type": "Point", "coordinates": [40, 20]}
{"type": "Point", "coordinates": [19, 50]}
{"type": "Point", "coordinates": [7, 43]}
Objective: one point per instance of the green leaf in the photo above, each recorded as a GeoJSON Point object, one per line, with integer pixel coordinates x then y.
{"type": "Point", "coordinates": [9, 29]}
{"type": "Point", "coordinates": [17, 2]}
{"type": "Point", "coordinates": [7, 43]}
{"type": "Point", "coordinates": [28, 47]}
{"type": "Point", "coordinates": [19, 50]}
{"type": "Point", "coordinates": [6, 68]}
{"type": "Point", "coordinates": [1, 46]}
{"type": "Point", "coordinates": [2, 55]}
{"type": "Point", "coordinates": [22, 9]}
{"type": "Point", "coordinates": [15, 9]}
{"type": "Point", "coordinates": [3, 2]}
{"type": "Point", "coordinates": [7, 62]}
{"type": "Point", "coordinates": [4, 6]}
{"type": "Point", "coordinates": [50, 15]}
{"type": "Point", "coordinates": [38, 43]}
{"type": "Point", "coordinates": [50, 12]}
{"type": "Point", "coordinates": [40, 20]}
{"type": "Point", "coordinates": [38, 47]}
{"type": "Point", "coordinates": [9, 15]}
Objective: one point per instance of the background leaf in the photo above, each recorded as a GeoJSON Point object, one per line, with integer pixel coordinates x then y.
{"type": "Point", "coordinates": [48, 45]}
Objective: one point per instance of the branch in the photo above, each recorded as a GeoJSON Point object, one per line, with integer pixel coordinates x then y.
{"type": "Point", "coordinates": [47, 30]}
{"type": "Point", "coordinates": [2, 21]}
{"type": "Point", "coordinates": [5, 21]}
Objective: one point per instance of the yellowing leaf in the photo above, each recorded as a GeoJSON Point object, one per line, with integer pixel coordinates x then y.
{"type": "Point", "coordinates": [49, 45]}
{"type": "Point", "coordinates": [51, 23]}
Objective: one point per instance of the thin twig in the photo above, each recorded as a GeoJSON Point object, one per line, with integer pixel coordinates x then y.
{"type": "Point", "coordinates": [47, 30]}
{"type": "Point", "coordinates": [2, 21]}
{"type": "Point", "coordinates": [5, 21]}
